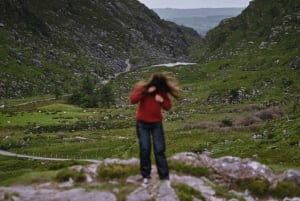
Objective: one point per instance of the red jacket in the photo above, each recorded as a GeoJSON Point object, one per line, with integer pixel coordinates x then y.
{"type": "Point", "coordinates": [149, 110]}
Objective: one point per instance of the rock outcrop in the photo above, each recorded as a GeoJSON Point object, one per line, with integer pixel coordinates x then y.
{"type": "Point", "coordinates": [229, 168]}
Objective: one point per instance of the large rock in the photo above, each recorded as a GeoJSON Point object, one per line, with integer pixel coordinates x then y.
{"type": "Point", "coordinates": [242, 169]}
{"type": "Point", "coordinates": [291, 176]}
{"type": "Point", "coordinates": [228, 167]}
{"type": "Point", "coordinates": [192, 159]}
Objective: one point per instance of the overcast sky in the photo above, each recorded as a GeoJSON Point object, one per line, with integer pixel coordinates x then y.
{"type": "Point", "coordinates": [194, 3]}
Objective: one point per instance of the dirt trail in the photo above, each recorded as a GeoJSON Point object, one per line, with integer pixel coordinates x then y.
{"type": "Point", "coordinates": [6, 153]}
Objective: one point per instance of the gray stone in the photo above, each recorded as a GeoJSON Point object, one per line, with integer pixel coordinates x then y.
{"type": "Point", "coordinates": [166, 192]}
{"type": "Point", "coordinates": [240, 169]}
{"type": "Point", "coordinates": [291, 176]}
{"type": "Point", "coordinates": [140, 194]}
{"type": "Point", "coordinates": [196, 183]}
{"type": "Point", "coordinates": [295, 64]}
{"type": "Point", "coordinates": [36, 62]}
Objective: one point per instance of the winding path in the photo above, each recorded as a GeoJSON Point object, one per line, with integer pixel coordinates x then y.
{"type": "Point", "coordinates": [6, 153]}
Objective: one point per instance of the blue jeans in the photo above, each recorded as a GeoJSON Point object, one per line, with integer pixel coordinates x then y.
{"type": "Point", "coordinates": [144, 132]}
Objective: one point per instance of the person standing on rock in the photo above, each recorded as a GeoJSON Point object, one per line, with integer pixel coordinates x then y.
{"type": "Point", "coordinates": [152, 97]}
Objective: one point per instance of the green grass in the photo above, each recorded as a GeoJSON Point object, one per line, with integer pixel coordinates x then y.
{"type": "Point", "coordinates": [187, 193]}
{"type": "Point", "coordinates": [189, 170]}
{"type": "Point", "coordinates": [116, 172]}
{"type": "Point", "coordinates": [51, 128]}
{"type": "Point", "coordinates": [26, 171]}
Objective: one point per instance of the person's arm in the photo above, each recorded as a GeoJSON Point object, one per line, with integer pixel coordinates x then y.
{"type": "Point", "coordinates": [164, 100]}
{"type": "Point", "coordinates": [136, 95]}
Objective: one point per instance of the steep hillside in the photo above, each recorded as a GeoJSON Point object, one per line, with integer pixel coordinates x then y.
{"type": "Point", "coordinates": [258, 54]}
{"type": "Point", "coordinates": [263, 25]}
{"type": "Point", "coordinates": [48, 43]}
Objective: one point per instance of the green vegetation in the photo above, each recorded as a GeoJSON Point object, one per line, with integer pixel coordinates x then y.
{"type": "Point", "coordinates": [189, 170]}
{"type": "Point", "coordinates": [66, 174]}
{"type": "Point", "coordinates": [88, 96]}
{"type": "Point", "coordinates": [117, 172]}
{"type": "Point", "coordinates": [185, 192]}
{"type": "Point", "coordinates": [28, 171]}
{"type": "Point", "coordinates": [262, 188]}
{"type": "Point", "coordinates": [195, 124]}
{"type": "Point", "coordinates": [241, 100]}
{"type": "Point", "coordinates": [284, 189]}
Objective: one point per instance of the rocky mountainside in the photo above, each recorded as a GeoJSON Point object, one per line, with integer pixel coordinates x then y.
{"type": "Point", "coordinates": [227, 178]}
{"type": "Point", "coordinates": [44, 44]}
{"type": "Point", "coordinates": [264, 24]}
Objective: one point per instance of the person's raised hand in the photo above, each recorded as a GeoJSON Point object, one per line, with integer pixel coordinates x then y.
{"type": "Point", "coordinates": [158, 98]}
{"type": "Point", "coordinates": [151, 89]}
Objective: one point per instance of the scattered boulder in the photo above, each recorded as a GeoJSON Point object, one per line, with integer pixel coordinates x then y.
{"type": "Point", "coordinates": [291, 176]}
{"type": "Point", "coordinates": [36, 63]}
{"type": "Point", "coordinates": [241, 169]}
{"type": "Point", "coordinates": [295, 64]}
{"type": "Point", "coordinates": [192, 159]}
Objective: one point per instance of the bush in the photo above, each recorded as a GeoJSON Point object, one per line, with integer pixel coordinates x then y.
{"type": "Point", "coordinates": [227, 122]}
{"type": "Point", "coordinates": [246, 121]}
{"type": "Point", "coordinates": [116, 171]}
{"type": "Point", "coordinates": [269, 114]}
{"type": "Point", "coordinates": [204, 125]}
{"type": "Point", "coordinates": [285, 189]}
{"type": "Point", "coordinates": [190, 170]}
{"type": "Point", "coordinates": [85, 95]}
{"type": "Point", "coordinates": [66, 174]}
{"type": "Point", "coordinates": [187, 193]}
{"type": "Point", "coordinates": [259, 187]}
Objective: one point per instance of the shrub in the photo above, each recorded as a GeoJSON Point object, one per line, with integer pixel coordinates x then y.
{"type": "Point", "coordinates": [227, 122]}
{"type": "Point", "coordinates": [66, 174]}
{"type": "Point", "coordinates": [190, 170]}
{"type": "Point", "coordinates": [285, 189]}
{"type": "Point", "coordinates": [107, 96]}
{"type": "Point", "coordinates": [258, 187]}
{"type": "Point", "coordinates": [116, 171]}
{"type": "Point", "coordinates": [270, 113]}
{"type": "Point", "coordinates": [204, 125]}
{"type": "Point", "coordinates": [10, 195]}
{"type": "Point", "coordinates": [187, 193]}
{"type": "Point", "coordinates": [85, 95]}
{"type": "Point", "coordinates": [246, 121]}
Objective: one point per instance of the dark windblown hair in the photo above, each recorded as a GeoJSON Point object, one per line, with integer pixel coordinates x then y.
{"type": "Point", "coordinates": [163, 82]}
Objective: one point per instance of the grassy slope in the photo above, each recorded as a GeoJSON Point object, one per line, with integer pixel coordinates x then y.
{"type": "Point", "coordinates": [280, 149]}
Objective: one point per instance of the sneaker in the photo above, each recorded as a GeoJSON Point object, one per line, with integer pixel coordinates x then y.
{"type": "Point", "coordinates": [145, 181]}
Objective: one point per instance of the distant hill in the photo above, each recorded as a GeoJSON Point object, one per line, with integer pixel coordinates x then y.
{"type": "Point", "coordinates": [200, 19]}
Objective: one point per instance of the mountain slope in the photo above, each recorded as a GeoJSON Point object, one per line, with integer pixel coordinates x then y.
{"type": "Point", "coordinates": [263, 24]}
{"type": "Point", "coordinates": [48, 43]}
